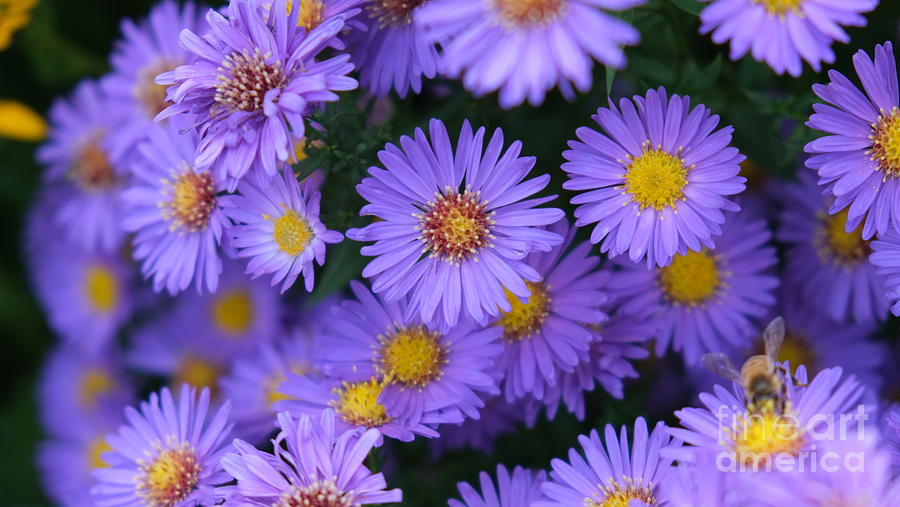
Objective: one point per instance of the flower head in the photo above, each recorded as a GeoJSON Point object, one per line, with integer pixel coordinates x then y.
{"type": "Point", "coordinates": [656, 181]}
{"type": "Point", "coordinates": [522, 487]}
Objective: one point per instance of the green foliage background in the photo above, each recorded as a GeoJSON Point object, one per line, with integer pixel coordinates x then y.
{"type": "Point", "coordinates": [69, 40]}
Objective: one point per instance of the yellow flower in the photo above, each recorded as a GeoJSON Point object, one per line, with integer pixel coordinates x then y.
{"type": "Point", "coordinates": [14, 14]}
{"type": "Point", "coordinates": [18, 121]}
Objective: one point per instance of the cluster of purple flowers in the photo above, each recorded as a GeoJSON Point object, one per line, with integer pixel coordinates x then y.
{"type": "Point", "coordinates": [483, 306]}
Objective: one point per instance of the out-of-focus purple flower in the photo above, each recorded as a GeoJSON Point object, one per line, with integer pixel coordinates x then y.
{"type": "Point", "coordinates": [254, 78]}
{"type": "Point", "coordinates": [826, 262]}
{"type": "Point", "coordinates": [312, 464]}
{"type": "Point", "coordinates": [781, 32]}
{"type": "Point", "coordinates": [891, 433]}
{"type": "Point", "coordinates": [168, 454]}
{"type": "Point", "coordinates": [698, 483]}
{"type": "Point", "coordinates": [277, 226]}
{"type": "Point", "coordinates": [886, 259]}
{"type": "Point", "coordinates": [174, 212]}
{"type": "Point", "coordinates": [858, 160]}
{"type": "Point", "coordinates": [521, 488]}
{"type": "Point", "coordinates": [454, 227]}
{"type": "Point", "coordinates": [496, 418]}
{"type": "Point", "coordinates": [705, 301]}
{"type": "Point", "coordinates": [526, 48]}
{"type": "Point", "coordinates": [80, 156]}
{"type": "Point", "coordinates": [656, 181]}
{"type": "Point", "coordinates": [618, 473]}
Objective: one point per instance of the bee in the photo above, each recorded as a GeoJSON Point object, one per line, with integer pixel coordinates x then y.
{"type": "Point", "coordinates": [761, 375]}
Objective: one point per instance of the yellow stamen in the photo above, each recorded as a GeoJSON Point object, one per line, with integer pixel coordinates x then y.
{"type": "Point", "coordinates": [690, 279]}
{"type": "Point", "coordinates": [152, 96]}
{"type": "Point", "coordinates": [233, 312]}
{"type": "Point", "coordinates": [762, 434]}
{"type": "Point", "coordinates": [393, 13]}
{"type": "Point", "coordinates": [526, 13]}
{"type": "Point", "coordinates": [101, 289]}
{"type": "Point", "coordinates": [886, 142]}
{"type": "Point", "coordinates": [292, 233]}
{"type": "Point", "coordinates": [412, 356]}
{"type": "Point", "coordinates": [780, 7]}
{"type": "Point", "coordinates": [95, 383]}
{"type": "Point", "coordinates": [656, 178]}
{"type": "Point", "coordinates": [837, 245]}
{"type": "Point", "coordinates": [456, 226]}
{"type": "Point", "coordinates": [312, 13]}
{"type": "Point", "coordinates": [525, 319]}
{"type": "Point", "coordinates": [615, 494]}
{"type": "Point", "coordinates": [358, 404]}
{"type": "Point", "coordinates": [191, 200]}
{"type": "Point", "coordinates": [91, 170]}
{"type": "Point", "coordinates": [95, 451]}
{"type": "Point", "coordinates": [170, 477]}
{"type": "Point", "coordinates": [199, 373]}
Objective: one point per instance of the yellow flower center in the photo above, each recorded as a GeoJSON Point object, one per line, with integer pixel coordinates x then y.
{"type": "Point", "coordinates": [358, 404]}
{"type": "Point", "coordinates": [456, 226]}
{"type": "Point", "coordinates": [312, 13]}
{"type": "Point", "coordinates": [272, 393]}
{"type": "Point", "coordinates": [95, 451]}
{"type": "Point", "coordinates": [886, 143]}
{"type": "Point", "coordinates": [691, 279]}
{"type": "Point", "coordinates": [152, 96]}
{"type": "Point", "coordinates": [411, 356]}
{"type": "Point", "coordinates": [318, 494]}
{"type": "Point", "coordinates": [192, 200]}
{"type": "Point", "coordinates": [525, 13]}
{"type": "Point", "coordinates": [780, 7]}
{"type": "Point", "coordinates": [796, 349]}
{"type": "Point", "coordinates": [292, 233]}
{"type": "Point", "coordinates": [762, 434]}
{"type": "Point", "coordinates": [619, 495]}
{"type": "Point", "coordinates": [170, 477]}
{"type": "Point", "coordinates": [199, 373]}
{"type": "Point", "coordinates": [233, 312]}
{"type": "Point", "coordinates": [840, 246]}
{"type": "Point", "coordinates": [94, 384]}
{"type": "Point", "coordinates": [101, 288]}
{"type": "Point", "coordinates": [393, 13]}
{"type": "Point", "coordinates": [656, 178]}
{"type": "Point", "coordinates": [92, 170]}
{"type": "Point", "coordinates": [525, 319]}
{"type": "Point", "coordinates": [246, 78]}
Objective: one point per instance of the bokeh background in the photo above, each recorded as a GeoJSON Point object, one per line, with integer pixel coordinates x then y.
{"type": "Point", "coordinates": [68, 40]}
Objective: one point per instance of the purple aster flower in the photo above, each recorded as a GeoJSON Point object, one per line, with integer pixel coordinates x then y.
{"type": "Point", "coordinates": [886, 259]}
{"type": "Point", "coordinates": [709, 300]}
{"type": "Point", "coordinates": [526, 48]}
{"type": "Point", "coordinates": [80, 156]}
{"type": "Point", "coordinates": [825, 260]}
{"type": "Point", "coordinates": [174, 212]}
{"type": "Point", "coordinates": [278, 227]}
{"type": "Point", "coordinates": [781, 32]}
{"type": "Point", "coordinates": [545, 334]}
{"type": "Point", "coordinates": [167, 454]}
{"type": "Point", "coordinates": [497, 417]}
{"type": "Point", "coordinates": [312, 464]}
{"type": "Point", "coordinates": [391, 49]}
{"type": "Point", "coordinates": [254, 79]}
{"type": "Point", "coordinates": [454, 231]}
{"type": "Point", "coordinates": [655, 182]}
{"type": "Point", "coordinates": [858, 160]}
{"type": "Point", "coordinates": [521, 488]}
{"type": "Point", "coordinates": [423, 370]}
{"type": "Point", "coordinates": [618, 473]}
{"type": "Point", "coordinates": [147, 48]}
{"type": "Point", "coordinates": [698, 483]}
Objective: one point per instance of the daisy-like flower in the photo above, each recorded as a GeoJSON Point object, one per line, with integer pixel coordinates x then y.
{"type": "Point", "coordinates": [618, 473]}
{"type": "Point", "coordinates": [168, 454]}
{"type": "Point", "coordinates": [521, 487]}
{"type": "Point", "coordinates": [174, 212]}
{"type": "Point", "coordinates": [454, 231]}
{"type": "Point", "coordinates": [278, 227]}
{"type": "Point", "coordinates": [656, 181]}
{"type": "Point", "coordinates": [391, 49]}
{"type": "Point", "coordinates": [782, 32]}
{"type": "Point", "coordinates": [886, 259]}
{"type": "Point", "coordinates": [424, 371]}
{"type": "Point", "coordinates": [525, 48]}
{"type": "Point", "coordinates": [147, 48]}
{"type": "Point", "coordinates": [858, 161]}
{"type": "Point", "coordinates": [254, 78]}
{"type": "Point", "coordinates": [825, 260]}
{"type": "Point", "coordinates": [313, 464]}
{"type": "Point", "coordinates": [709, 300]}
{"type": "Point", "coordinates": [81, 157]}
{"type": "Point", "coordinates": [544, 334]}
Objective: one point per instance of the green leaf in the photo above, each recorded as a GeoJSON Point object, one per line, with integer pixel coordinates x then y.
{"type": "Point", "coordinates": [692, 7]}
{"type": "Point", "coordinates": [610, 76]}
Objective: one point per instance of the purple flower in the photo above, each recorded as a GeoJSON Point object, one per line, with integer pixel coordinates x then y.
{"type": "Point", "coordinates": [454, 231]}
{"type": "Point", "coordinates": [80, 157]}
{"type": "Point", "coordinates": [781, 32]}
{"type": "Point", "coordinates": [526, 48]}
{"type": "Point", "coordinates": [886, 259]}
{"type": "Point", "coordinates": [254, 79]}
{"type": "Point", "coordinates": [618, 473]}
{"type": "Point", "coordinates": [858, 160]}
{"type": "Point", "coordinates": [497, 417]}
{"type": "Point", "coordinates": [891, 424]}
{"type": "Point", "coordinates": [278, 227]}
{"type": "Point", "coordinates": [167, 454]}
{"type": "Point", "coordinates": [391, 49]}
{"type": "Point", "coordinates": [709, 300]}
{"type": "Point", "coordinates": [698, 483]}
{"type": "Point", "coordinates": [312, 464]}
{"type": "Point", "coordinates": [426, 373]}
{"type": "Point", "coordinates": [174, 212]}
{"type": "Point", "coordinates": [521, 488]}
{"type": "Point", "coordinates": [826, 261]}
{"type": "Point", "coordinates": [146, 49]}
{"type": "Point", "coordinates": [656, 182]}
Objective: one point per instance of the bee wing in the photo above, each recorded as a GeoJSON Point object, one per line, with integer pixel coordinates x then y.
{"type": "Point", "coordinates": [721, 365]}
{"type": "Point", "coordinates": [773, 337]}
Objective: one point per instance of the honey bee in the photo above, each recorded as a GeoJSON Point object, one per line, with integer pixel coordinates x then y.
{"type": "Point", "coordinates": [761, 376]}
